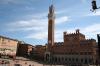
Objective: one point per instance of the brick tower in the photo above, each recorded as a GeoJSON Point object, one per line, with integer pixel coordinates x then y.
{"type": "Point", "coordinates": [51, 20]}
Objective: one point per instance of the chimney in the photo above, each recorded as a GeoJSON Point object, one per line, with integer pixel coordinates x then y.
{"type": "Point", "coordinates": [77, 31]}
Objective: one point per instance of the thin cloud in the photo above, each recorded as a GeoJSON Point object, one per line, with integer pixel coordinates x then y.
{"type": "Point", "coordinates": [26, 25]}
{"type": "Point", "coordinates": [38, 27]}
{"type": "Point", "coordinates": [59, 35]}
{"type": "Point", "coordinates": [90, 31]}
{"type": "Point", "coordinates": [15, 1]}
{"type": "Point", "coordinates": [38, 35]}
{"type": "Point", "coordinates": [62, 19]}
{"type": "Point", "coordinates": [34, 24]}
{"type": "Point", "coordinates": [60, 12]}
{"type": "Point", "coordinates": [8, 1]}
{"type": "Point", "coordinates": [38, 20]}
{"type": "Point", "coordinates": [97, 13]}
{"type": "Point", "coordinates": [83, 1]}
{"type": "Point", "coordinates": [43, 35]}
{"type": "Point", "coordinates": [95, 28]}
{"type": "Point", "coordinates": [29, 23]}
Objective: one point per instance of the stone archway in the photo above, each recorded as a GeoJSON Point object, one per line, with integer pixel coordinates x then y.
{"type": "Point", "coordinates": [47, 57]}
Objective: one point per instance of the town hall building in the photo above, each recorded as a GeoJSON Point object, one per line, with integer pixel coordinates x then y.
{"type": "Point", "coordinates": [75, 49]}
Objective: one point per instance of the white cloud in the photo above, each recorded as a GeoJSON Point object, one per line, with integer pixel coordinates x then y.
{"type": "Point", "coordinates": [83, 1]}
{"type": "Point", "coordinates": [38, 26]}
{"type": "Point", "coordinates": [41, 28]}
{"type": "Point", "coordinates": [44, 35]}
{"type": "Point", "coordinates": [59, 35]}
{"type": "Point", "coordinates": [34, 24]}
{"type": "Point", "coordinates": [8, 1]}
{"type": "Point", "coordinates": [38, 35]}
{"type": "Point", "coordinates": [62, 19]}
{"type": "Point", "coordinates": [92, 28]}
{"type": "Point", "coordinates": [60, 12]}
{"type": "Point", "coordinates": [15, 1]}
{"type": "Point", "coordinates": [29, 23]}
{"type": "Point", "coordinates": [97, 13]}
{"type": "Point", "coordinates": [39, 15]}
{"type": "Point", "coordinates": [90, 31]}
{"type": "Point", "coordinates": [37, 22]}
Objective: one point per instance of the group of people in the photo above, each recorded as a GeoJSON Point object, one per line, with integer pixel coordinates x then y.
{"type": "Point", "coordinates": [26, 63]}
{"type": "Point", "coordinates": [29, 64]}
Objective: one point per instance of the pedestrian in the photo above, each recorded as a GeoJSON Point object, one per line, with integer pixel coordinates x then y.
{"type": "Point", "coordinates": [30, 65]}
{"type": "Point", "coordinates": [25, 62]}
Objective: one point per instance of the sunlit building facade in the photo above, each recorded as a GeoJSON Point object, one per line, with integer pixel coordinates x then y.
{"type": "Point", "coordinates": [8, 46]}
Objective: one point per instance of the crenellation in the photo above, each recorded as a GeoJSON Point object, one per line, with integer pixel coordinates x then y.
{"type": "Point", "coordinates": [75, 33]}
{"type": "Point", "coordinates": [58, 43]}
{"type": "Point", "coordinates": [65, 33]}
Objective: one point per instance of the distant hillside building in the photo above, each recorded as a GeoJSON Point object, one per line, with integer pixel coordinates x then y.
{"type": "Point", "coordinates": [8, 46]}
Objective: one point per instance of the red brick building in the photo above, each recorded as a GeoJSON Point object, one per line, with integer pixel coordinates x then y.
{"type": "Point", "coordinates": [38, 52]}
{"type": "Point", "coordinates": [75, 49]}
{"type": "Point", "coordinates": [8, 46]}
{"type": "Point", "coordinates": [24, 49]}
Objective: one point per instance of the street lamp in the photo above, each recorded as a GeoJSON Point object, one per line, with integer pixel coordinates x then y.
{"type": "Point", "coordinates": [94, 6]}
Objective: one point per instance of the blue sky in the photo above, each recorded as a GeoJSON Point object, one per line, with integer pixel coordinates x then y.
{"type": "Point", "coordinates": [27, 20]}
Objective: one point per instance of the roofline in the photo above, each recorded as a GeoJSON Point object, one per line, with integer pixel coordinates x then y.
{"type": "Point", "coordinates": [8, 38]}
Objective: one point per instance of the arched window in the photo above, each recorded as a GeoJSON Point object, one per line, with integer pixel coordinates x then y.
{"type": "Point", "coordinates": [62, 59]}
{"type": "Point", "coordinates": [47, 57]}
{"type": "Point", "coordinates": [69, 59]}
{"type": "Point", "coordinates": [77, 59]}
{"type": "Point", "coordinates": [65, 59]}
{"type": "Point", "coordinates": [85, 61]}
{"type": "Point", "coordinates": [55, 59]}
{"type": "Point", "coordinates": [90, 61]}
{"type": "Point", "coordinates": [81, 60]}
{"type": "Point", "coordinates": [73, 60]}
{"type": "Point", "coordinates": [59, 59]}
